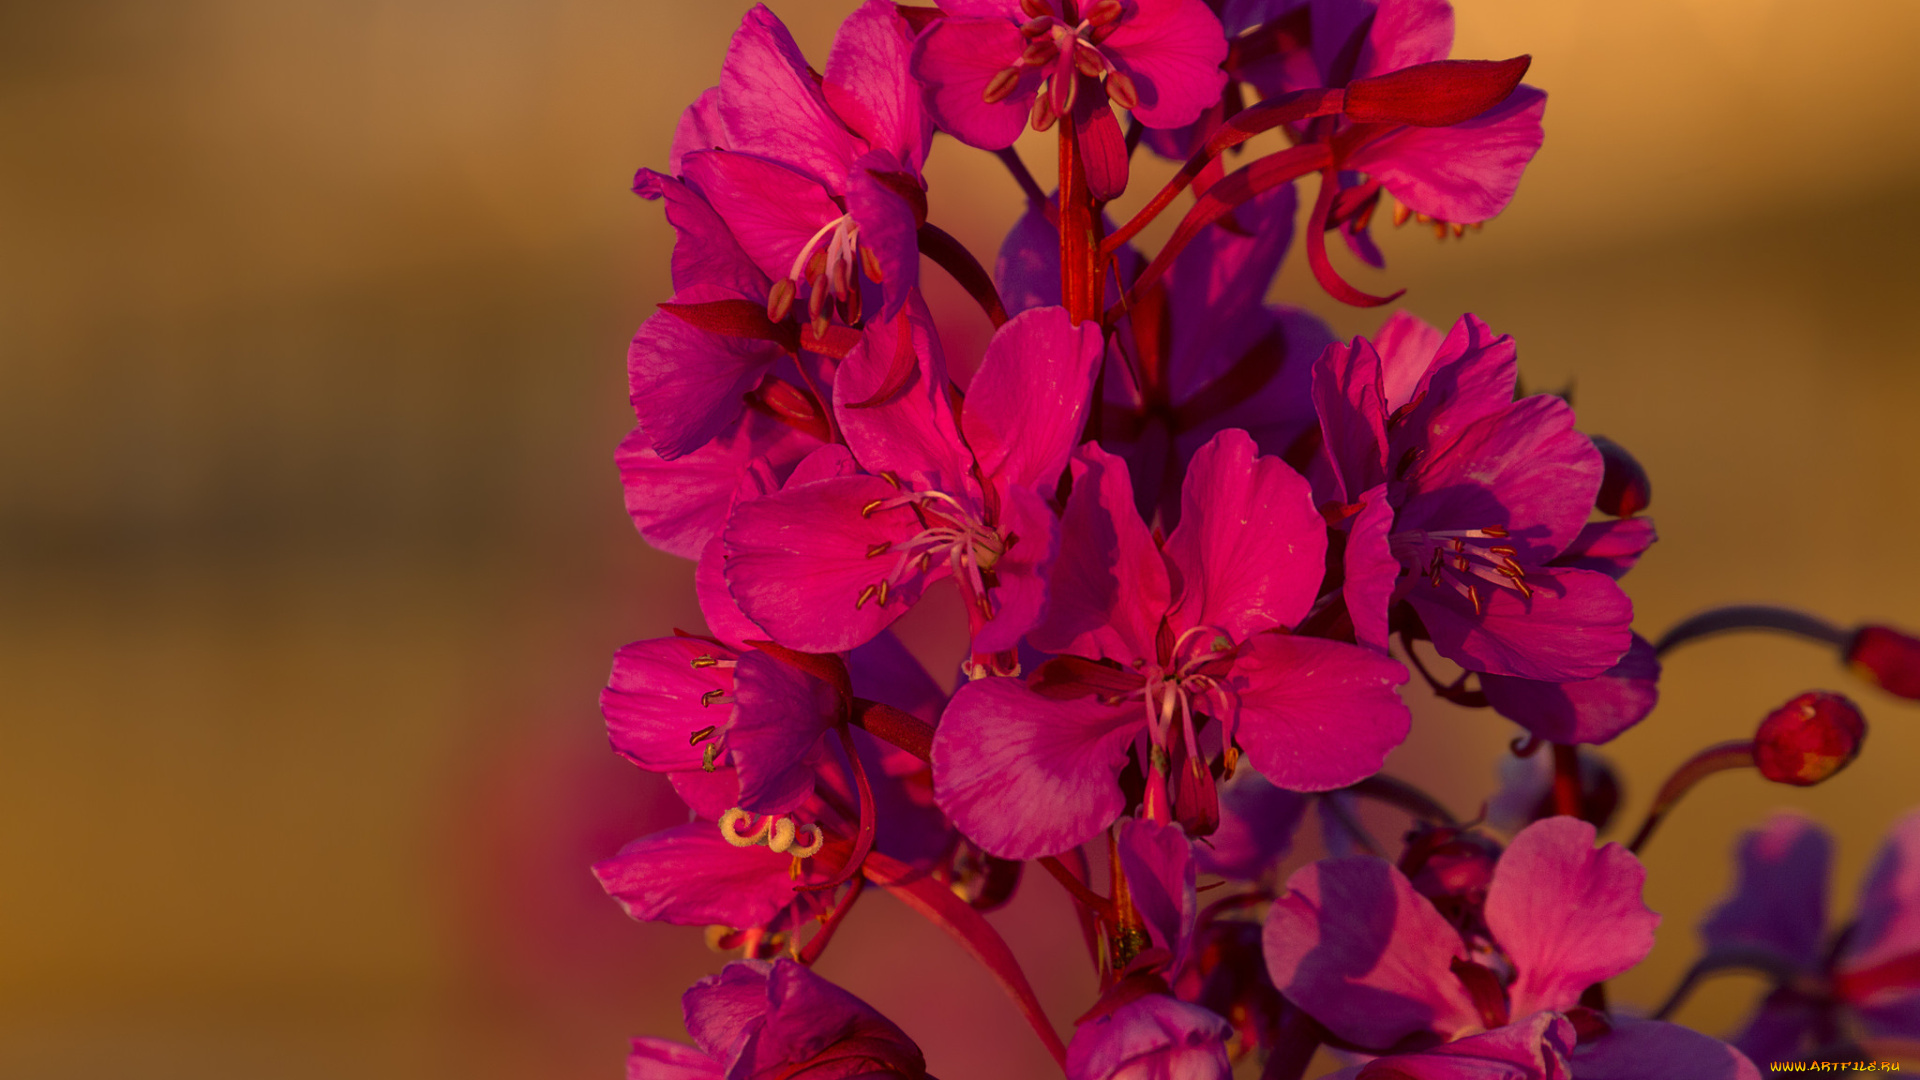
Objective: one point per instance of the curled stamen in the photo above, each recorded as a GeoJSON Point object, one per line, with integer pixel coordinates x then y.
{"type": "Point", "coordinates": [780, 837]}
{"type": "Point", "coordinates": [730, 828]}
{"type": "Point", "coordinates": [807, 849]}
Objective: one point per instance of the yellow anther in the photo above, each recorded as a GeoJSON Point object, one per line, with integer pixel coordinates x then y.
{"type": "Point", "coordinates": [730, 828]}
{"type": "Point", "coordinates": [701, 736]}
{"type": "Point", "coordinates": [781, 836]}
{"type": "Point", "coordinates": [866, 594]}
{"type": "Point", "coordinates": [706, 661]}
{"type": "Point", "coordinates": [807, 849]}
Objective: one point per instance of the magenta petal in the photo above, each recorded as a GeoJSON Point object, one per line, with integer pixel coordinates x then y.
{"type": "Point", "coordinates": [723, 1009]}
{"type": "Point", "coordinates": [1888, 911]}
{"type": "Point", "coordinates": [779, 715]}
{"type": "Point", "coordinates": [652, 701]}
{"type": "Point", "coordinates": [660, 1059]}
{"type": "Point", "coordinates": [686, 383]}
{"type": "Point", "coordinates": [708, 794]}
{"type": "Point", "coordinates": [1609, 547]}
{"type": "Point", "coordinates": [701, 127]}
{"type": "Point", "coordinates": [1019, 595]}
{"type": "Point", "coordinates": [1348, 396]}
{"type": "Point", "coordinates": [797, 561]}
{"type": "Point", "coordinates": [1250, 548]}
{"type": "Point", "coordinates": [1153, 1037]}
{"type": "Point", "coordinates": [1159, 864]}
{"type": "Point", "coordinates": [911, 431]}
{"type": "Point", "coordinates": [1371, 570]}
{"type": "Point", "coordinates": [1574, 626]}
{"type": "Point", "coordinates": [815, 1029]}
{"type": "Point", "coordinates": [1535, 1048]}
{"type": "Point", "coordinates": [771, 209]}
{"type": "Point", "coordinates": [1317, 714]}
{"type": "Point", "coordinates": [1651, 1050]}
{"type": "Point", "coordinates": [869, 83]}
{"type": "Point", "coordinates": [1257, 823]}
{"type": "Point", "coordinates": [1109, 587]}
{"type": "Point", "coordinates": [704, 249]}
{"type": "Point", "coordinates": [954, 59]}
{"type": "Point", "coordinates": [680, 505]}
{"type": "Point", "coordinates": [1589, 711]}
{"type": "Point", "coordinates": [887, 228]}
{"type": "Point", "coordinates": [1779, 900]}
{"type": "Point", "coordinates": [1469, 375]}
{"type": "Point", "coordinates": [1407, 345]}
{"type": "Point", "coordinates": [1027, 403]}
{"type": "Point", "coordinates": [773, 108]}
{"type": "Point", "coordinates": [1361, 952]}
{"type": "Point", "coordinates": [1524, 467]}
{"type": "Point", "coordinates": [1568, 916]}
{"type": "Point", "coordinates": [1172, 50]}
{"type": "Point", "coordinates": [1464, 173]}
{"type": "Point", "coordinates": [690, 876]}
{"type": "Point", "coordinates": [1405, 33]}
{"type": "Point", "coordinates": [1024, 776]}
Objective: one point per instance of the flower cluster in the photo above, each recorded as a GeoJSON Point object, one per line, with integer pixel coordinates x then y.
{"type": "Point", "coordinates": [1201, 546]}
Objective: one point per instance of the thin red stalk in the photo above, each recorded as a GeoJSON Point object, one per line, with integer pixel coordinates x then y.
{"type": "Point", "coordinates": [959, 263]}
{"type": "Point", "coordinates": [1399, 793]}
{"type": "Point", "coordinates": [1751, 617]}
{"type": "Point", "coordinates": [1028, 185]}
{"type": "Point", "coordinates": [1737, 754]}
{"type": "Point", "coordinates": [869, 823]}
{"type": "Point", "coordinates": [1566, 780]}
{"type": "Point", "coordinates": [902, 729]}
{"type": "Point", "coordinates": [818, 943]}
{"type": "Point", "coordinates": [1079, 251]}
{"type": "Point", "coordinates": [1086, 897]}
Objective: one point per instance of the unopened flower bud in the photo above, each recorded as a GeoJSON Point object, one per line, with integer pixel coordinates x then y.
{"type": "Point", "coordinates": [1809, 739]}
{"type": "Point", "coordinates": [1624, 489]}
{"type": "Point", "coordinates": [1888, 658]}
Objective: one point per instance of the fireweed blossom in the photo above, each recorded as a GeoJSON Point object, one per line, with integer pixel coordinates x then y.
{"type": "Point", "coordinates": [1159, 639]}
{"type": "Point", "coordinates": [1184, 525]}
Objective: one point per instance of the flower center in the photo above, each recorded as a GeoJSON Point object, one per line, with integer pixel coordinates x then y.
{"type": "Point", "coordinates": [1063, 51]}
{"type": "Point", "coordinates": [829, 264]}
{"type": "Point", "coordinates": [1462, 559]}
{"type": "Point", "coordinates": [779, 832]}
{"type": "Point", "coordinates": [950, 530]}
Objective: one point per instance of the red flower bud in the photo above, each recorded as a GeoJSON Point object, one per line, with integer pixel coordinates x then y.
{"type": "Point", "coordinates": [1625, 489]}
{"type": "Point", "coordinates": [1887, 658]}
{"type": "Point", "coordinates": [1809, 739]}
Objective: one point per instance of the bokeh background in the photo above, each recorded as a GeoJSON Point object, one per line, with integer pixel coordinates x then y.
{"type": "Point", "coordinates": [312, 324]}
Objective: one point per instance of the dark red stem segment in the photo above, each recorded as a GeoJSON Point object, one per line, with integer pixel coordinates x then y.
{"type": "Point", "coordinates": [818, 943]}
{"type": "Point", "coordinates": [1383, 788]}
{"type": "Point", "coordinates": [1317, 260]}
{"type": "Point", "coordinates": [953, 257]}
{"type": "Point", "coordinates": [1079, 249]}
{"type": "Point", "coordinates": [902, 729]}
{"type": "Point", "coordinates": [1086, 897]}
{"type": "Point", "coordinates": [1751, 617]}
{"type": "Point", "coordinates": [1566, 780]}
{"type": "Point", "coordinates": [1720, 757]}
{"type": "Point", "coordinates": [936, 902]}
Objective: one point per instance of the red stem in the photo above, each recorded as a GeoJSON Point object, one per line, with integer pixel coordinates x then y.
{"type": "Point", "coordinates": [1079, 249]}
{"type": "Point", "coordinates": [1566, 780]}
{"type": "Point", "coordinates": [1737, 754]}
{"type": "Point", "coordinates": [1086, 897]}
{"type": "Point", "coordinates": [869, 823]}
{"type": "Point", "coordinates": [818, 943]}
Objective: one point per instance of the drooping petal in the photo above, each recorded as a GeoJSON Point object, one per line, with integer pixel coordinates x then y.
{"type": "Point", "coordinates": [708, 794]}
{"type": "Point", "coordinates": [1153, 1037]}
{"type": "Point", "coordinates": [690, 876]}
{"type": "Point", "coordinates": [686, 383]}
{"type": "Point", "coordinates": [1779, 898]}
{"type": "Point", "coordinates": [1568, 916]}
{"type": "Point", "coordinates": [868, 82]}
{"type": "Point", "coordinates": [1317, 714]}
{"type": "Point", "coordinates": [1027, 403]}
{"type": "Point", "coordinates": [1888, 916]}
{"type": "Point", "coordinates": [1250, 548]}
{"type": "Point", "coordinates": [652, 701]}
{"type": "Point", "coordinates": [1371, 570]}
{"type": "Point", "coordinates": [774, 109]}
{"type": "Point", "coordinates": [1257, 823]}
{"type": "Point", "coordinates": [1172, 50]}
{"type": "Point", "coordinates": [1109, 586]}
{"type": "Point", "coordinates": [722, 1009]}
{"type": "Point", "coordinates": [1348, 396]}
{"type": "Point", "coordinates": [1575, 625]}
{"type": "Point", "coordinates": [1361, 952]}
{"type": "Point", "coordinates": [798, 562]}
{"type": "Point", "coordinates": [955, 59]}
{"type": "Point", "coordinates": [890, 396]}
{"type": "Point", "coordinates": [1589, 711]}
{"type": "Point", "coordinates": [1023, 775]}
{"type": "Point", "coordinates": [1159, 864]}
{"type": "Point", "coordinates": [887, 228]}
{"type": "Point", "coordinates": [778, 717]}
{"type": "Point", "coordinates": [704, 249]}
{"type": "Point", "coordinates": [815, 1029]}
{"type": "Point", "coordinates": [1535, 1048]}
{"type": "Point", "coordinates": [1465, 173]}
{"type": "Point", "coordinates": [1019, 593]}
{"type": "Point", "coordinates": [680, 504]}
{"type": "Point", "coordinates": [771, 209]}
{"type": "Point", "coordinates": [1609, 547]}
{"type": "Point", "coordinates": [1651, 1050]}
{"type": "Point", "coordinates": [661, 1059]}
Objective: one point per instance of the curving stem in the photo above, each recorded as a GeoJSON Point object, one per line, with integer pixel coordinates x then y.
{"type": "Point", "coordinates": [1720, 757]}
{"type": "Point", "coordinates": [1733, 617]}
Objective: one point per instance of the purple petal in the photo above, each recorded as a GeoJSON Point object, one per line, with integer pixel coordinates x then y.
{"type": "Point", "coordinates": [690, 876]}
{"type": "Point", "coordinates": [1371, 570]}
{"type": "Point", "coordinates": [1153, 1037]}
{"type": "Point", "coordinates": [1159, 864]}
{"type": "Point", "coordinates": [771, 209]}
{"type": "Point", "coordinates": [652, 701]}
{"type": "Point", "coordinates": [1590, 711]}
{"type": "Point", "coordinates": [778, 717]}
{"type": "Point", "coordinates": [816, 1029]}
{"type": "Point", "coordinates": [680, 505]}
{"type": "Point", "coordinates": [1019, 593]}
{"type": "Point", "coordinates": [1347, 395]}
{"type": "Point", "coordinates": [1172, 50]}
{"type": "Point", "coordinates": [724, 618]}
{"type": "Point", "coordinates": [721, 1010]}
{"type": "Point", "coordinates": [1109, 588]}
{"type": "Point", "coordinates": [1024, 776]}
{"type": "Point", "coordinates": [686, 383]}
{"type": "Point", "coordinates": [883, 670]}
{"type": "Point", "coordinates": [1609, 547]}
{"type": "Point", "coordinates": [1216, 287]}
{"type": "Point", "coordinates": [660, 1059]}
{"type": "Point", "coordinates": [773, 108]}
{"type": "Point", "coordinates": [1250, 548]}
{"type": "Point", "coordinates": [1651, 1050]}
{"type": "Point", "coordinates": [797, 562]}
{"type": "Point", "coordinates": [887, 228]}
{"type": "Point", "coordinates": [1361, 952]}
{"type": "Point", "coordinates": [1888, 911]}
{"type": "Point", "coordinates": [708, 794]}
{"type": "Point", "coordinates": [1027, 270]}
{"type": "Point", "coordinates": [869, 83]}
{"type": "Point", "coordinates": [1568, 916]}
{"type": "Point", "coordinates": [1404, 33]}
{"type": "Point", "coordinates": [954, 59]}
{"type": "Point", "coordinates": [1574, 626]}
{"type": "Point", "coordinates": [1317, 714]}
{"type": "Point", "coordinates": [1465, 173]}
{"type": "Point", "coordinates": [1257, 823]}
{"type": "Point", "coordinates": [1027, 403]}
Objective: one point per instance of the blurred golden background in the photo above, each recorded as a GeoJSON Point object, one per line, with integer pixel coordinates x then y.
{"type": "Point", "coordinates": [312, 328]}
